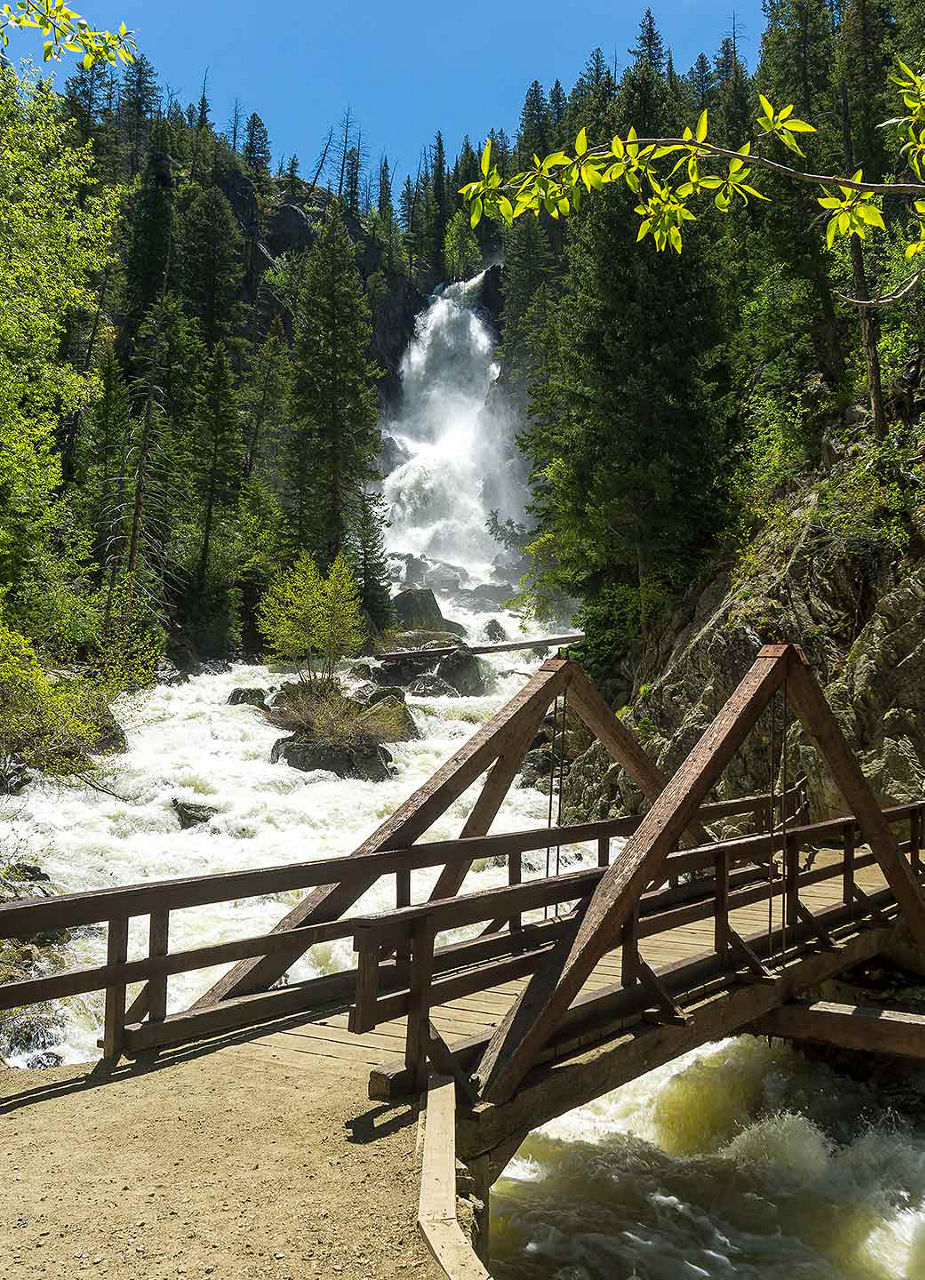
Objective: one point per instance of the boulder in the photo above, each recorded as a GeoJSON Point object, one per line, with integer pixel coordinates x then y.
{"type": "Point", "coordinates": [394, 722]}
{"type": "Point", "coordinates": [383, 693]}
{"type": "Point", "coordinates": [167, 672]}
{"type": "Point", "coordinates": [417, 609]}
{"type": "Point", "coordinates": [465, 673]}
{"type": "Point", "coordinates": [431, 686]}
{"type": "Point", "coordinates": [361, 671]}
{"type": "Point", "coordinates": [399, 672]}
{"type": "Point", "coordinates": [364, 758]}
{"type": "Point", "coordinates": [192, 815]}
{"type": "Point", "coordinates": [247, 697]}
{"type": "Point", "coordinates": [442, 577]}
{"type": "Point", "coordinates": [494, 632]}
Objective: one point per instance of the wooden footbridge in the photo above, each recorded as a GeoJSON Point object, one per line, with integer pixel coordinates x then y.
{"type": "Point", "coordinates": [517, 1003]}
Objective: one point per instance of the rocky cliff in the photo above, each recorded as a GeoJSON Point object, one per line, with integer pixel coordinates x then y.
{"type": "Point", "coordinates": [839, 568]}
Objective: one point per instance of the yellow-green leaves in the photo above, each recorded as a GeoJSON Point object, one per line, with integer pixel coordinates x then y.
{"type": "Point", "coordinates": [65, 31]}
{"type": "Point", "coordinates": [852, 214]}
{"type": "Point", "coordinates": [782, 124]}
{"type": "Point", "coordinates": [916, 247]}
{"type": "Point", "coordinates": [912, 88]}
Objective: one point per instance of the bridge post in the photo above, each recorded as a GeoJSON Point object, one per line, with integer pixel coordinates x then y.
{"type": "Point", "coordinates": [417, 1037]}
{"type": "Point", "coordinates": [721, 918]}
{"type": "Point", "coordinates": [116, 956]}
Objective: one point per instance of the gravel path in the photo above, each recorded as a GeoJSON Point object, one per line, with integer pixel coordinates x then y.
{"type": "Point", "coordinates": [228, 1165]}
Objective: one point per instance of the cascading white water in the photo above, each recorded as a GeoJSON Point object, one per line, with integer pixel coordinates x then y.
{"type": "Point", "coordinates": [455, 435]}
{"type": "Point", "coordinates": [736, 1161]}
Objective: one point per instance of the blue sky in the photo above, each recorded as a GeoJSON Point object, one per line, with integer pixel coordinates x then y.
{"type": "Point", "coordinates": [406, 69]}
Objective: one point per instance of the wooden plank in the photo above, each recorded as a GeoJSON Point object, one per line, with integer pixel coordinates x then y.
{"type": "Point", "coordinates": [552, 989]}
{"type": "Point", "coordinates": [824, 732]}
{"type": "Point", "coordinates": [419, 998]}
{"type": "Point", "coordinates": [563, 1084]}
{"type": "Point", "coordinates": [407, 823]}
{"type": "Point", "coordinates": [437, 1219]}
{"type": "Point", "coordinates": [603, 1008]}
{"type": "Point", "coordinates": [116, 952]}
{"type": "Point", "coordinates": [847, 1026]}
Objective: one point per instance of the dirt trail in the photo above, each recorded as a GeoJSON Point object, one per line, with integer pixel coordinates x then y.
{"type": "Point", "coordinates": [229, 1165]}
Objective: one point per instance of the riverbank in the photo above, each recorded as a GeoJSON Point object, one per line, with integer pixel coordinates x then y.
{"type": "Point", "coordinates": [228, 1165]}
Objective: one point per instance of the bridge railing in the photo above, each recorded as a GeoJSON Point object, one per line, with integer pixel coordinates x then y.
{"type": "Point", "coordinates": [726, 876]}
{"type": "Point", "coordinates": [144, 1022]}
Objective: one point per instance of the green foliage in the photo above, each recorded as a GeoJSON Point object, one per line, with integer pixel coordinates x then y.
{"type": "Point", "coordinates": [325, 712]}
{"type": "Point", "coordinates": [304, 617]}
{"type": "Point", "coordinates": [461, 250]}
{"type": "Point", "coordinates": [65, 31]}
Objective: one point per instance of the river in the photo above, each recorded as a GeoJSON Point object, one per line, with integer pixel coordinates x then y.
{"type": "Point", "coordinates": [740, 1160]}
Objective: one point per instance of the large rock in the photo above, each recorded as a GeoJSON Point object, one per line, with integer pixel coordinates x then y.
{"type": "Point", "coordinates": [494, 632]}
{"type": "Point", "coordinates": [463, 671]}
{"type": "Point", "coordinates": [431, 686]}
{"type": "Point", "coordinates": [192, 815]}
{"type": "Point", "coordinates": [364, 758]}
{"type": "Point", "coordinates": [247, 697]}
{"type": "Point", "coordinates": [384, 693]}
{"type": "Point", "coordinates": [391, 720]}
{"type": "Point", "coordinates": [417, 610]}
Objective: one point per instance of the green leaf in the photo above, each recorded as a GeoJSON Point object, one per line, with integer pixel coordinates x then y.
{"type": "Point", "coordinates": [581, 143]}
{"type": "Point", "coordinates": [486, 159]}
{"type": "Point", "coordinates": [799, 126]}
{"type": "Point", "coordinates": [830, 231]}
{"type": "Point", "coordinates": [507, 210]}
{"type": "Point", "coordinates": [766, 106]}
{"type": "Point", "coordinates": [702, 126]}
{"type": "Point", "coordinates": [475, 216]}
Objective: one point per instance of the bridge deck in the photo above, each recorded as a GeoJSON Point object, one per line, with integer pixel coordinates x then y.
{"type": "Point", "coordinates": [303, 1043]}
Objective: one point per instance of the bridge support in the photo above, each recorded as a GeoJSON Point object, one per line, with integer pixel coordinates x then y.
{"type": "Point", "coordinates": [847, 1026]}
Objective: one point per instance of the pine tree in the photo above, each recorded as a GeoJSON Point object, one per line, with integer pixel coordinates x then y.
{"type": "Point", "coordinates": [702, 81]}
{"type": "Point", "coordinates": [256, 152]}
{"type": "Point", "coordinates": [528, 266]}
{"type": "Point", "coordinates": [558, 105]}
{"type": "Point", "coordinates": [440, 208]}
{"type": "Point", "coordinates": [137, 102]}
{"type": "Point", "coordinates": [219, 478]}
{"type": "Point", "coordinates": [265, 397]}
{"type": "Point", "coordinates": [212, 267]}
{"type": "Point", "coordinates": [370, 562]}
{"type": "Point", "coordinates": [384, 203]}
{"type": "Point", "coordinates": [288, 613]}
{"type": "Point", "coordinates": [151, 256]}
{"type": "Point", "coordinates": [649, 47]}
{"type": "Point", "coordinates": [339, 621]}
{"type": "Point", "coordinates": [293, 185]}
{"type": "Point", "coordinates": [533, 136]}
{"type": "Point", "coordinates": [335, 434]}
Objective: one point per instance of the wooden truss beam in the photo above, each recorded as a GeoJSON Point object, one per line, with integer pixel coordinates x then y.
{"type": "Point", "coordinates": [536, 1013]}
{"type": "Point", "coordinates": [824, 732]}
{"type": "Point", "coordinates": [847, 1026]}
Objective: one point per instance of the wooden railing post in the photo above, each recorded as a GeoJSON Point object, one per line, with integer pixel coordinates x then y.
{"type": "Point", "coordinates": [116, 956]}
{"type": "Point", "coordinates": [848, 877]}
{"type": "Point", "coordinates": [629, 970]}
{"type": "Point", "coordinates": [362, 1016]}
{"type": "Point", "coordinates": [418, 1033]}
{"type": "Point", "coordinates": [158, 939]}
{"type": "Point", "coordinates": [721, 918]}
{"type": "Point", "coordinates": [603, 851]}
{"type": "Point", "coordinates": [915, 839]}
{"type": "Point", "coordinates": [791, 881]}
{"type": "Point", "coordinates": [402, 899]}
{"type": "Point", "coordinates": [515, 876]}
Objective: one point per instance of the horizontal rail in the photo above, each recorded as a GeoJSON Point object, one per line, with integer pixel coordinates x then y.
{"type": "Point", "coordinates": [505, 646]}
{"type": "Point", "coordinates": [95, 906]}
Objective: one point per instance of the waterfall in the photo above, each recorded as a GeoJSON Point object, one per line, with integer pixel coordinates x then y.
{"type": "Point", "coordinates": [453, 437]}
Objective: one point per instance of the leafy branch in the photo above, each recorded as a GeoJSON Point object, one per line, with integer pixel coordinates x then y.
{"type": "Point", "coordinates": [65, 31]}
{"type": "Point", "coordinates": [559, 182]}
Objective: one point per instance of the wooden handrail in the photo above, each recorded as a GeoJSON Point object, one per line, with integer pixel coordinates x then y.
{"type": "Point", "coordinates": [26, 916]}
{"type": "Point", "coordinates": [504, 646]}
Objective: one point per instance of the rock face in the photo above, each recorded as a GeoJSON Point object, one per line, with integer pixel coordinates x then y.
{"type": "Point", "coordinates": [858, 610]}
{"type": "Point", "coordinates": [384, 693]}
{"type": "Point", "coordinates": [494, 632]}
{"type": "Point", "coordinates": [463, 672]}
{"type": "Point", "coordinates": [363, 758]}
{"type": "Point", "coordinates": [247, 697]}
